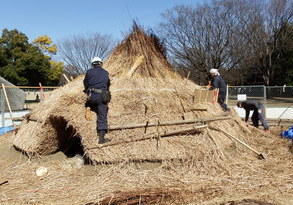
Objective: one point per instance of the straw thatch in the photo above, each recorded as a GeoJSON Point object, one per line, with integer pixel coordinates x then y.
{"type": "Point", "coordinates": [200, 167]}
{"type": "Point", "coordinates": [149, 93]}
{"type": "Point", "coordinates": [16, 96]}
{"type": "Point", "coordinates": [206, 179]}
{"type": "Point", "coordinates": [140, 54]}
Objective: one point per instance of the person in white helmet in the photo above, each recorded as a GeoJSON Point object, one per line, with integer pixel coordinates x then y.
{"type": "Point", "coordinates": [218, 82]}
{"type": "Point", "coordinates": [96, 85]}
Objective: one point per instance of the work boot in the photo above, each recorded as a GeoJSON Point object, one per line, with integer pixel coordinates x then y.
{"type": "Point", "coordinates": [102, 138]}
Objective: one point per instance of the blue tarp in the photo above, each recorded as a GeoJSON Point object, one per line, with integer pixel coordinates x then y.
{"type": "Point", "coordinates": [288, 134]}
{"type": "Point", "coordinates": [4, 130]}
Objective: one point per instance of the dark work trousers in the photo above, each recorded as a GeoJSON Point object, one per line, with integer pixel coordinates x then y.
{"type": "Point", "coordinates": [221, 101]}
{"type": "Point", "coordinates": [101, 109]}
{"type": "Point", "coordinates": [259, 115]}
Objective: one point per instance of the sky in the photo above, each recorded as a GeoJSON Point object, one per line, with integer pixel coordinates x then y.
{"type": "Point", "coordinates": [61, 19]}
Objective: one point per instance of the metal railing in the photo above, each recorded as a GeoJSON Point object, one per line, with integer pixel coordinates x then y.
{"type": "Point", "coordinates": [278, 100]}
{"type": "Point", "coordinates": [270, 96]}
{"type": "Point", "coordinates": [276, 97]}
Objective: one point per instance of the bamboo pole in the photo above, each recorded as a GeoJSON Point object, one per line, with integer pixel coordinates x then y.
{"type": "Point", "coordinates": [155, 135]}
{"type": "Point", "coordinates": [8, 104]}
{"type": "Point", "coordinates": [3, 183]}
{"type": "Point", "coordinates": [282, 115]}
{"type": "Point", "coordinates": [25, 118]}
{"type": "Point", "coordinates": [66, 78]}
{"type": "Point", "coordinates": [199, 109]}
{"type": "Point", "coordinates": [260, 155]}
{"type": "Point", "coordinates": [178, 122]}
{"type": "Point", "coordinates": [32, 87]}
{"type": "Point", "coordinates": [137, 62]}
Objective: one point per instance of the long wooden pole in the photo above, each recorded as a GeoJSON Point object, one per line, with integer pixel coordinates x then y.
{"type": "Point", "coordinates": [66, 78]}
{"type": "Point", "coordinates": [155, 135]}
{"type": "Point", "coordinates": [8, 104]}
{"type": "Point", "coordinates": [179, 122]}
{"type": "Point", "coordinates": [260, 155]}
{"type": "Point", "coordinates": [282, 115]}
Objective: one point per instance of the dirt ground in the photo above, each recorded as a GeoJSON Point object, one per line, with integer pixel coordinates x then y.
{"type": "Point", "coordinates": [69, 183]}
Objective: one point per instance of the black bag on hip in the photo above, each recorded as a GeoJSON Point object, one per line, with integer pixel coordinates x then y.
{"type": "Point", "coordinates": [106, 96]}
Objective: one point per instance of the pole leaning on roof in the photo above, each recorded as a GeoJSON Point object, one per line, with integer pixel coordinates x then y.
{"type": "Point", "coordinates": [7, 101]}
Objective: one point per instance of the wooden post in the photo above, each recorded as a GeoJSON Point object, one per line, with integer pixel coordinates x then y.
{"type": "Point", "coordinates": [2, 107]}
{"type": "Point", "coordinates": [227, 95]}
{"type": "Point", "coordinates": [42, 91]}
{"type": "Point", "coordinates": [8, 104]}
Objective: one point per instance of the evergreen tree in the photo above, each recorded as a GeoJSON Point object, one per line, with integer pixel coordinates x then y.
{"type": "Point", "coordinates": [22, 63]}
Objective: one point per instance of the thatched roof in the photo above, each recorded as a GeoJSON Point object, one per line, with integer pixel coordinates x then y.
{"type": "Point", "coordinates": [200, 167]}
{"type": "Point", "coordinates": [152, 93]}
{"type": "Point", "coordinates": [16, 96]}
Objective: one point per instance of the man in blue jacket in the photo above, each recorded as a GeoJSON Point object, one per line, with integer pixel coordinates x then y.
{"type": "Point", "coordinates": [258, 112]}
{"type": "Point", "coordinates": [96, 85]}
{"type": "Point", "coordinates": [218, 82]}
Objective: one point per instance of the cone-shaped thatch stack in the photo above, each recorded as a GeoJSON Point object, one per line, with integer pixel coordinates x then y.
{"type": "Point", "coordinates": [144, 90]}
{"type": "Point", "coordinates": [140, 55]}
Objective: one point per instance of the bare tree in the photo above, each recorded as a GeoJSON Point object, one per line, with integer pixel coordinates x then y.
{"type": "Point", "coordinates": [207, 36]}
{"type": "Point", "coordinates": [78, 51]}
{"type": "Point", "coordinates": [277, 16]}
{"type": "Point", "coordinates": [224, 34]}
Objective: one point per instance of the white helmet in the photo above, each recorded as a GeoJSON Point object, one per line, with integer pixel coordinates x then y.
{"type": "Point", "coordinates": [96, 60]}
{"type": "Point", "coordinates": [214, 71]}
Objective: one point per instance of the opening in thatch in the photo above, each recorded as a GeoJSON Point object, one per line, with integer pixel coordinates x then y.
{"type": "Point", "coordinates": [68, 142]}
